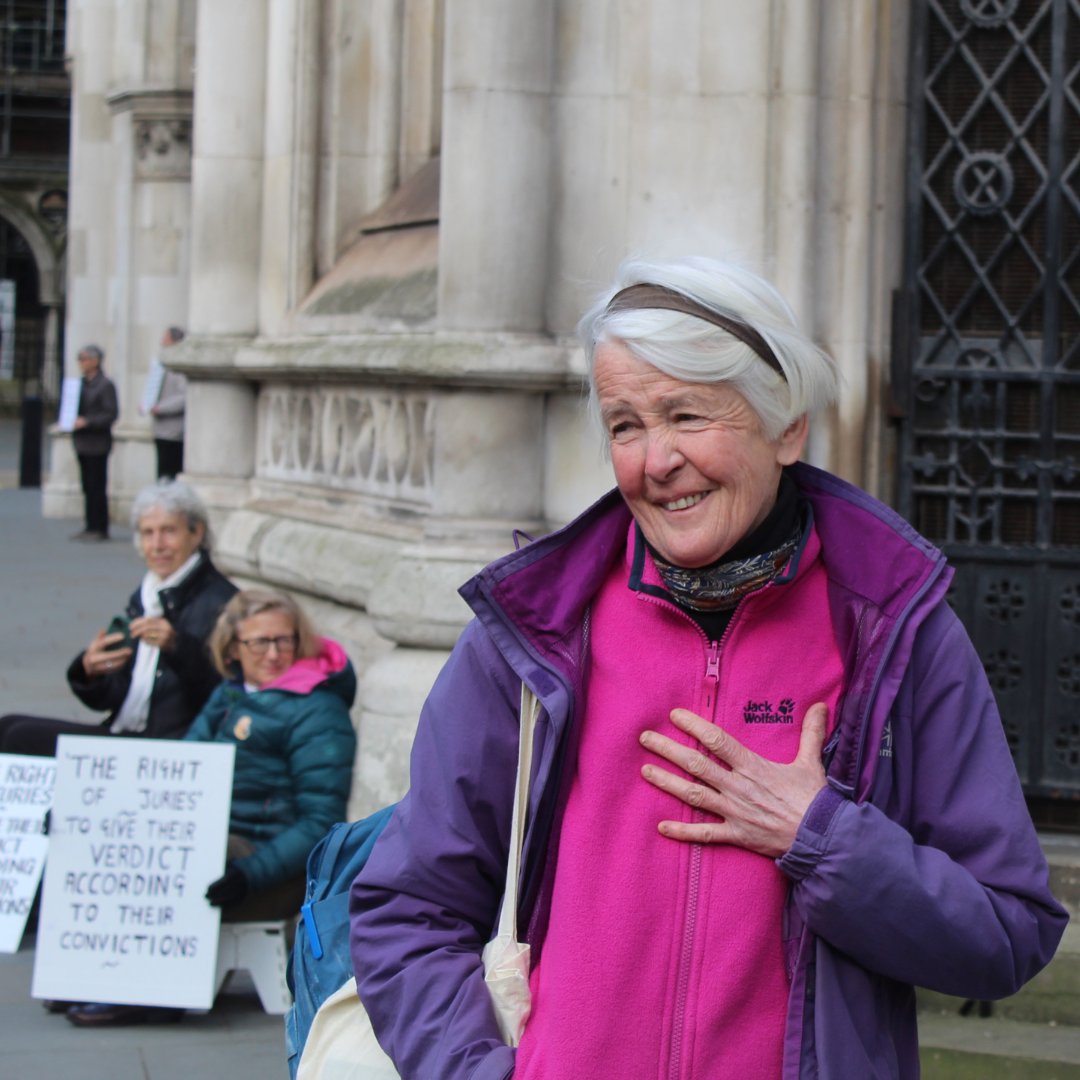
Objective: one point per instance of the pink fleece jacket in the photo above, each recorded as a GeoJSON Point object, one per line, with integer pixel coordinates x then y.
{"type": "Point", "coordinates": [666, 959]}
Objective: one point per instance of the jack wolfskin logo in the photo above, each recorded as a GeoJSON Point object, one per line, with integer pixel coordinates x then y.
{"type": "Point", "coordinates": [762, 712]}
{"type": "Point", "coordinates": [886, 741]}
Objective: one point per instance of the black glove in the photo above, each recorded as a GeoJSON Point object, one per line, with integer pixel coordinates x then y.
{"type": "Point", "coordinates": [229, 889]}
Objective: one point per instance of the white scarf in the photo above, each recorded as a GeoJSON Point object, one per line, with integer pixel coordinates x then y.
{"type": "Point", "coordinates": [134, 712]}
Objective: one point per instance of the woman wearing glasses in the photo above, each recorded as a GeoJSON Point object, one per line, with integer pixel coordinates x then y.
{"type": "Point", "coordinates": [284, 705]}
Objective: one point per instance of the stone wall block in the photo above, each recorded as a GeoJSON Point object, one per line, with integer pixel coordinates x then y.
{"type": "Point", "coordinates": [225, 245]}
{"type": "Point", "coordinates": [505, 46]}
{"type": "Point", "coordinates": [591, 206]}
{"type": "Point", "coordinates": [589, 46]}
{"type": "Point", "coordinates": [231, 82]}
{"type": "Point", "coordinates": [62, 496]}
{"type": "Point", "coordinates": [733, 46]}
{"type": "Point", "coordinates": [220, 428]}
{"type": "Point", "coordinates": [415, 599]}
{"type": "Point", "coordinates": [488, 456]}
{"type": "Point", "coordinates": [392, 692]}
{"type": "Point", "coordinates": [687, 194]}
{"type": "Point", "coordinates": [494, 227]}
{"type": "Point", "coordinates": [576, 470]}
{"type": "Point", "coordinates": [325, 561]}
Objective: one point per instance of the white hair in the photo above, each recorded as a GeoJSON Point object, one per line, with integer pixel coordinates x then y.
{"type": "Point", "coordinates": [692, 350]}
{"type": "Point", "coordinates": [172, 497]}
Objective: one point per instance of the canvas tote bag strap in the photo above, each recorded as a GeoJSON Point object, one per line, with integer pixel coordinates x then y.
{"type": "Point", "coordinates": [530, 707]}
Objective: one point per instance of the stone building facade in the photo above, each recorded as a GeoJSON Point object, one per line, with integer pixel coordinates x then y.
{"type": "Point", "coordinates": [379, 221]}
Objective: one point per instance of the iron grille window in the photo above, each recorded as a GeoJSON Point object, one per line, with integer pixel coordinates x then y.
{"type": "Point", "coordinates": [34, 89]}
{"type": "Point", "coordinates": [996, 274]}
{"type": "Point", "coordinates": [988, 351]}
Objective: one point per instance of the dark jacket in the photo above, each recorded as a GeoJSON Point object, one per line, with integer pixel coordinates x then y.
{"type": "Point", "coordinates": [98, 407]}
{"type": "Point", "coordinates": [292, 774]}
{"type": "Point", "coordinates": [186, 675]}
{"type": "Point", "coordinates": [916, 865]}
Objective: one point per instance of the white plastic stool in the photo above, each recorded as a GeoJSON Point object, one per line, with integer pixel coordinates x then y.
{"type": "Point", "coordinates": [262, 949]}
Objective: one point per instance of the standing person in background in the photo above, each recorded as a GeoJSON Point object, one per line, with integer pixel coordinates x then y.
{"type": "Point", "coordinates": [92, 438]}
{"type": "Point", "coordinates": [167, 415]}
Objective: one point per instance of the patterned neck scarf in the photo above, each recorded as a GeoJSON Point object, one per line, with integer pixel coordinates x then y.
{"type": "Point", "coordinates": [721, 586]}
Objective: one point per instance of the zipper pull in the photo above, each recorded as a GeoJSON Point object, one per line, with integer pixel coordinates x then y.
{"type": "Point", "coordinates": [712, 676]}
{"type": "Point", "coordinates": [313, 931]}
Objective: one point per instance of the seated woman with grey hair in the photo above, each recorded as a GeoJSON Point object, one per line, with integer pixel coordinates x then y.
{"type": "Point", "coordinates": [771, 793]}
{"type": "Point", "coordinates": [153, 673]}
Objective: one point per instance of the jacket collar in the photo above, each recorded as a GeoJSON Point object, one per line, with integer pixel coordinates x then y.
{"type": "Point", "coordinates": [177, 595]}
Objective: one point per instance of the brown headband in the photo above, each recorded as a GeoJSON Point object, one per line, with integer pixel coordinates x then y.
{"type": "Point", "coordinates": [645, 295]}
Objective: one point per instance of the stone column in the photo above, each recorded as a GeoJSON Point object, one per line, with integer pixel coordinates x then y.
{"type": "Point", "coordinates": [227, 409]}
{"type": "Point", "coordinates": [289, 168]}
{"type": "Point", "coordinates": [227, 168]}
{"type": "Point", "coordinates": [152, 135]}
{"type": "Point", "coordinates": [496, 165]}
{"type": "Point", "coordinates": [90, 248]}
{"type": "Point", "coordinates": [226, 232]}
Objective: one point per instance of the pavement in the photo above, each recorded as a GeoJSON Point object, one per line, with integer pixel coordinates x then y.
{"type": "Point", "coordinates": [54, 596]}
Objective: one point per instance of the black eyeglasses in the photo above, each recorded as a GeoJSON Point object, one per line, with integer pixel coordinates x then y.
{"type": "Point", "coordinates": [259, 645]}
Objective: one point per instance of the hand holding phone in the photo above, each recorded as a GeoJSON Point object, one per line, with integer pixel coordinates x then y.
{"type": "Point", "coordinates": [120, 624]}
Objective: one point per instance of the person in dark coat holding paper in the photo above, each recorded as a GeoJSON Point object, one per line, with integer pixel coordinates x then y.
{"type": "Point", "coordinates": [92, 438]}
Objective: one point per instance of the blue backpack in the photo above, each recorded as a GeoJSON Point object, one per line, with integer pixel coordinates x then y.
{"type": "Point", "coordinates": [320, 962]}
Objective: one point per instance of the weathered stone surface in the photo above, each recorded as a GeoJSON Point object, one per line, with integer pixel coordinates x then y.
{"type": "Point", "coordinates": [393, 690]}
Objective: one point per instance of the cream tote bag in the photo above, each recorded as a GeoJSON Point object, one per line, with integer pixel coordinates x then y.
{"type": "Point", "coordinates": [341, 1044]}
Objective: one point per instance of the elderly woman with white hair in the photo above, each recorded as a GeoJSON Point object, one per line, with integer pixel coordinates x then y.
{"type": "Point", "coordinates": [151, 671]}
{"type": "Point", "coordinates": [770, 789]}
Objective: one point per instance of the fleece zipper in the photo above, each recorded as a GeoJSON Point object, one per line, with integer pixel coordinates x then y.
{"type": "Point", "coordinates": [710, 694]}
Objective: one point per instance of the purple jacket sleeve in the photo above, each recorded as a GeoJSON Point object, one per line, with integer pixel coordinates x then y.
{"type": "Point", "coordinates": [941, 882]}
{"type": "Point", "coordinates": [426, 902]}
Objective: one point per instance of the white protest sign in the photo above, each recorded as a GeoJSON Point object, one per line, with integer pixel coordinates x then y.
{"type": "Point", "coordinates": [26, 788]}
{"type": "Point", "coordinates": [138, 830]}
{"type": "Point", "coordinates": [70, 392]}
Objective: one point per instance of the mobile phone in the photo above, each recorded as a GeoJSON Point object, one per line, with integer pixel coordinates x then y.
{"type": "Point", "coordinates": [121, 624]}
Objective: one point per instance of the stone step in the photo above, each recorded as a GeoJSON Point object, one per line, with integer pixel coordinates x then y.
{"type": "Point", "coordinates": [970, 1048]}
{"type": "Point", "coordinates": [1063, 854]}
{"type": "Point", "coordinates": [1053, 996]}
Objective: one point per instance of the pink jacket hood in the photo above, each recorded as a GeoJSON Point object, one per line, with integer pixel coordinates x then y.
{"type": "Point", "coordinates": [310, 672]}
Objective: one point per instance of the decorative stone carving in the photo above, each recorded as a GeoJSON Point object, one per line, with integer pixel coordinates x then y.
{"type": "Point", "coordinates": [374, 442]}
{"type": "Point", "coordinates": [163, 148]}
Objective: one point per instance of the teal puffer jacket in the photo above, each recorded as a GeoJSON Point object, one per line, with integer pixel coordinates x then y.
{"type": "Point", "coordinates": [294, 746]}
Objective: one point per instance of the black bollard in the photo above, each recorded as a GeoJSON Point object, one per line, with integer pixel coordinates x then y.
{"type": "Point", "coordinates": [30, 450]}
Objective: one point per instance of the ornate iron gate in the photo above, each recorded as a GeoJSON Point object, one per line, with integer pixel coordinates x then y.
{"type": "Point", "coordinates": [987, 350]}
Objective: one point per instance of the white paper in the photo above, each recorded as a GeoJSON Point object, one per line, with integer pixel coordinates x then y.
{"type": "Point", "coordinates": [139, 829]}
{"type": "Point", "coordinates": [152, 390]}
{"type": "Point", "coordinates": [70, 392]}
{"type": "Point", "coordinates": [26, 789]}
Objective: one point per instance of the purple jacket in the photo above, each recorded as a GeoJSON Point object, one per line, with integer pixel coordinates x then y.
{"type": "Point", "coordinates": [917, 865]}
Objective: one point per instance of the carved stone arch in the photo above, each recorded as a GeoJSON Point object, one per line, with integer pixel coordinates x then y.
{"type": "Point", "coordinates": [49, 261]}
